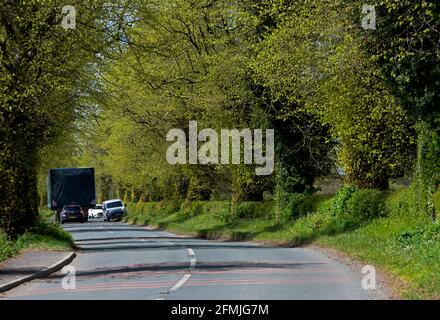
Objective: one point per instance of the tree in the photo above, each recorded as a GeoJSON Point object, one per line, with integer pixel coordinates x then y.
{"type": "Point", "coordinates": [184, 61]}
{"type": "Point", "coordinates": [42, 71]}
{"type": "Point", "coordinates": [314, 63]}
{"type": "Point", "coordinates": [406, 46]}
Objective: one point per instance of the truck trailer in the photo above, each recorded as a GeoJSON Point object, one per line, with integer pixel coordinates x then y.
{"type": "Point", "coordinates": [71, 186]}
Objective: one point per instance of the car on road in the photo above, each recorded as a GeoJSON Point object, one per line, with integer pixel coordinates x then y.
{"type": "Point", "coordinates": [72, 213]}
{"type": "Point", "coordinates": [113, 209]}
{"type": "Point", "coordinates": [71, 186]}
{"type": "Point", "coordinates": [96, 212]}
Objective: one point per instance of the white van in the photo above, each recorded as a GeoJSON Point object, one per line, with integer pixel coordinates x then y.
{"type": "Point", "coordinates": [113, 209]}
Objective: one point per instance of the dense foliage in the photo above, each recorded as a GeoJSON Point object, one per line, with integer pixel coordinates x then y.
{"type": "Point", "coordinates": [363, 104]}
{"type": "Point", "coordinates": [46, 73]}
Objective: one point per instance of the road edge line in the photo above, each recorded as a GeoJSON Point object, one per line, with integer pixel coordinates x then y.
{"type": "Point", "coordinates": [43, 273]}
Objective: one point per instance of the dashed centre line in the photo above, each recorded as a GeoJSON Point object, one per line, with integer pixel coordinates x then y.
{"type": "Point", "coordinates": [185, 278]}
{"type": "Point", "coordinates": [181, 282]}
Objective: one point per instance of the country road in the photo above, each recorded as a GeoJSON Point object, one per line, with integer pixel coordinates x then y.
{"type": "Point", "coordinates": [120, 261]}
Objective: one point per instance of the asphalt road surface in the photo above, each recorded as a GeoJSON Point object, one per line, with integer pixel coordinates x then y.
{"type": "Point", "coordinates": [120, 261]}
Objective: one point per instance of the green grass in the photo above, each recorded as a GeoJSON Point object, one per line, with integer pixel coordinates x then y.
{"type": "Point", "coordinates": [44, 236]}
{"type": "Point", "coordinates": [384, 243]}
{"type": "Point", "coordinates": [391, 235]}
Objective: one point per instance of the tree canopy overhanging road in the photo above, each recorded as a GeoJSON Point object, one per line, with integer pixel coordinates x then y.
{"type": "Point", "coordinates": [337, 103]}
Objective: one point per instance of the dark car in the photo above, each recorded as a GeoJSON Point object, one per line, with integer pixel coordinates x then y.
{"type": "Point", "coordinates": [72, 213]}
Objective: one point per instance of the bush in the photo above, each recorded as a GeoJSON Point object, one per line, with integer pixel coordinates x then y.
{"type": "Point", "coordinates": [155, 208]}
{"type": "Point", "coordinates": [220, 209]}
{"type": "Point", "coordinates": [289, 205]}
{"type": "Point", "coordinates": [352, 207]}
{"type": "Point", "coordinates": [341, 199]}
{"type": "Point", "coordinates": [7, 248]}
{"type": "Point", "coordinates": [44, 235]}
{"type": "Point", "coordinates": [253, 210]}
{"type": "Point", "coordinates": [365, 205]}
{"type": "Point", "coordinates": [313, 203]}
{"type": "Point", "coordinates": [436, 203]}
{"type": "Point", "coordinates": [296, 205]}
{"type": "Point", "coordinates": [419, 236]}
{"type": "Point", "coordinates": [404, 204]}
{"type": "Point", "coordinates": [192, 209]}
{"type": "Point", "coordinates": [51, 229]}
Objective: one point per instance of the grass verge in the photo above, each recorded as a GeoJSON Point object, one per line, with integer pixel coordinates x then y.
{"type": "Point", "coordinates": [381, 229]}
{"type": "Point", "coordinates": [44, 236]}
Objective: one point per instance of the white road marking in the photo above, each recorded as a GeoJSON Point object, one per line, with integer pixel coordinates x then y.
{"type": "Point", "coordinates": [185, 278]}
{"type": "Point", "coordinates": [181, 282]}
{"type": "Point", "coordinates": [193, 260]}
{"type": "Point", "coordinates": [101, 227]}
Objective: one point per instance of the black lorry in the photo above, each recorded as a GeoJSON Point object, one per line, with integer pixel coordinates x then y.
{"type": "Point", "coordinates": [71, 186]}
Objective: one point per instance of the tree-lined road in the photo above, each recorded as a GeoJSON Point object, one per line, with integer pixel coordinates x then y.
{"type": "Point", "coordinates": [120, 261]}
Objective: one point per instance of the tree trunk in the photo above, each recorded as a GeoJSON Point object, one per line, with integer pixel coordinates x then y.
{"type": "Point", "coordinates": [18, 184]}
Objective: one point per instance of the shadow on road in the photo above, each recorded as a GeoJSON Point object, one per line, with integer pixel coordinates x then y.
{"type": "Point", "coordinates": [79, 241]}
{"type": "Point", "coordinates": [201, 267]}
{"type": "Point", "coordinates": [74, 230]}
{"type": "Point", "coordinates": [145, 246]}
